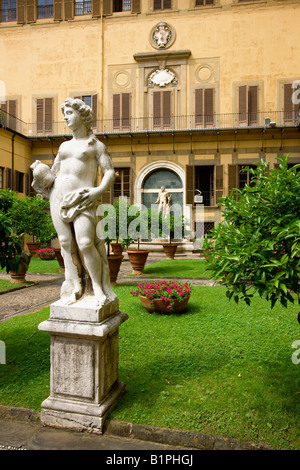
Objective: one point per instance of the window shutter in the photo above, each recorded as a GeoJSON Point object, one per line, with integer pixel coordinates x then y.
{"type": "Point", "coordinates": [96, 8]}
{"type": "Point", "coordinates": [252, 104]}
{"type": "Point", "coordinates": [135, 6]}
{"type": "Point", "coordinates": [156, 108]}
{"type": "Point", "coordinates": [190, 184]}
{"type": "Point", "coordinates": [8, 181]}
{"type": "Point", "coordinates": [31, 11]}
{"type": "Point", "coordinates": [21, 11]}
{"type": "Point", "coordinates": [125, 110]}
{"type": "Point", "coordinates": [219, 182]}
{"type": "Point", "coordinates": [116, 111]}
{"type": "Point", "coordinates": [167, 4]}
{"type": "Point", "coordinates": [69, 9]}
{"type": "Point", "coordinates": [209, 106]}
{"type": "Point", "coordinates": [95, 109]}
{"type": "Point", "coordinates": [48, 114]}
{"type": "Point", "coordinates": [243, 104]}
{"type": "Point", "coordinates": [288, 106]}
{"type": "Point", "coordinates": [166, 108]}
{"type": "Point", "coordinates": [199, 107]}
{"type": "Point", "coordinates": [107, 197]}
{"type": "Point", "coordinates": [12, 110]}
{"type": "Point", "coordinates": [39, 115]}
{"type": "Point", "coordinates": [157, 4]}
{"type": "Point", "coordinates": [107, 7]}
{"type": "Point", "coordinates": [232, 177]}
{"type": "Point", "coordinates": [57, 10]}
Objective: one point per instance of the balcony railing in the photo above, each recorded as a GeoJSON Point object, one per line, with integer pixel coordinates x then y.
{"type": "Point", "coordinates": [191, 122]}
{"type": "Point", "coordinates": [148, 124]}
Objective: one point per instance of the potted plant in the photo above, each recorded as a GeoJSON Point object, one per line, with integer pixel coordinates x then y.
{"type": "Point", "coordinates": [46, 253]}
{"type": "Point", "coordinates": [12, 257]}
{"type": "Point", "coordinates": [114, 262]}
{"type": "Point", "coordinates": [164, 297]}
{"type": "Point", "coordinates": [31, 216]}
{"type": "Point", "coordinates": [173, 224]}
{"type": "Point", "coordinates": [138, 258]}
{"type": "Point", "coordinates": [19, 267]}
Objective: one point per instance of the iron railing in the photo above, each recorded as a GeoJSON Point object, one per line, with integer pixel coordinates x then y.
{"type": "Point", "coordinates": [191, 122]}
{"type": "Point", "coordinates": [148, 124]}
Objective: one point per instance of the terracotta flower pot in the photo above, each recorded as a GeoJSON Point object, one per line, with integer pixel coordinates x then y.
{"type": "Point", "coordinates": [170, 249]}
{"type": "Point", "coordinates": [116, 248]}
{"type": "Point", "coordinates": [59, 258]}
{"type": "Point", "coordinates": [32, 246]}
{"type": "Point", "coordinates": [138, 260]}
{"type": "Point", "coordinates": [161, 306]}
{"type": "Point", "coordinates": [19, 276]}
{"type": "Point", "coordinates": [114, 262]}
{"type": "Point", "coordinates": [47, 256]}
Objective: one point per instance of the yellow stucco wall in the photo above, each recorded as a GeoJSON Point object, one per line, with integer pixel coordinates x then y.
{"type": "Point", "coordinates": [238, 42]}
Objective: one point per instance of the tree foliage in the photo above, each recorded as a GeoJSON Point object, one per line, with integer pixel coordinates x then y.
{"type": "Point", "coordinates": [257, 246]}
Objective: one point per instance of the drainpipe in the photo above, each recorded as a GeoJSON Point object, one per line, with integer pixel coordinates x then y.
{"type": "Point", "coordinates": [102, 62]}
{"type": "Point", "coordinates": [12, 160]}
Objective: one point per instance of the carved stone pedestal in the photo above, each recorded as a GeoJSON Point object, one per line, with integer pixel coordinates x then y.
{"type": "Point", "coordinates": [84, 383]}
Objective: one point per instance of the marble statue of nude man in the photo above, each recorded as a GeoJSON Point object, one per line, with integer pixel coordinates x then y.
{"type": "Point", "coordinates": [163, 201]}
{"type": "Point", "coordinates": [74, 197]}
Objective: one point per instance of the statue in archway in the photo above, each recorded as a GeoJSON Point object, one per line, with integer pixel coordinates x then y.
{"type": "Point", "coordinates": [163, 201]}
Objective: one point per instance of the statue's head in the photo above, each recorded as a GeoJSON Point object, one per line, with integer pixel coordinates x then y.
{"type": "Point", "coordinates": [162, 188]}
{"type": "Point", "coordinates": [85, 112]}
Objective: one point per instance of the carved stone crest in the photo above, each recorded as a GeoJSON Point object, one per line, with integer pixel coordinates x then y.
{"type": "Point", "coordinates": [162, 36]}
{"type": "Point", "coordinates": [162, 77]}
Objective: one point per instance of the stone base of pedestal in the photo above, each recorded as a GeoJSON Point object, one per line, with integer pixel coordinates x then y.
{"type": "Point", "coordinates": [78, 415]}
{"type": "Point", "coordinates": [84, 383]}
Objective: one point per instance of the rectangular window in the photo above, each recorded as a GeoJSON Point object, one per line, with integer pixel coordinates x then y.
{"type": "Point", "coordinates": [121, 111]}
{"type": "Point", "coordinates": [245, 176]}
{"type": "Point", "coordinates": [10, 113]}
{"type": "Point", "coordinates": [204, 2]}
{"type": "Point", "coordinates": [19, 181]}
{"type": "Point", "coordinates": [122, 183]}
{"type": "Point", "coordinates": [92, 102]}
{"type": "Point", "coordinates": [44, 115]}
{"type": "Point", "coordinates": [83, 7]}
{"type": "Point", "coordinates": [204, 107]}
{"type": "Point", "coordinates": [121, 5]}
{"type": "Point", "coordinates": [290, 109]}
{"type": "Point", "coordinates": [8, 10]}
{"type": "Point", "coordinates": [248, 105]}
{"type": "Point", "coordinates": [204, 182]}
{"type": "Point", "coordinates": [45, 9]}
{"type": "Point", "coordinates": [162, 109]}
{"type": "Point", "coordinates": [162, 5]}
{"type": "Point", "coordinates": [1, 177]}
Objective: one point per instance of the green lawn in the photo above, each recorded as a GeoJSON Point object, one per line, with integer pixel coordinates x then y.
{"type": "Point", "coordinates": [38, 265]}
{"type": "Point", "coordinates": [220, 368]}
{"type": "Point", "coordinates": [5, 284]}
{"type": "Point", "coordinates": [178, 268]}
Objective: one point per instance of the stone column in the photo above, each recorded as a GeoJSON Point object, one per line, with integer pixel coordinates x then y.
{"type": "Point", "coordinates": [84, 382]}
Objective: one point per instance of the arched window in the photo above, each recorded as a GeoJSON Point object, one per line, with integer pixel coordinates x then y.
{"type": "Point", "coordinates": [155, 180]}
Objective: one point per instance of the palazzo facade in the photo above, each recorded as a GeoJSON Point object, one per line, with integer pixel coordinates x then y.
{"type": "Point", "coordinates": [185, 93]}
